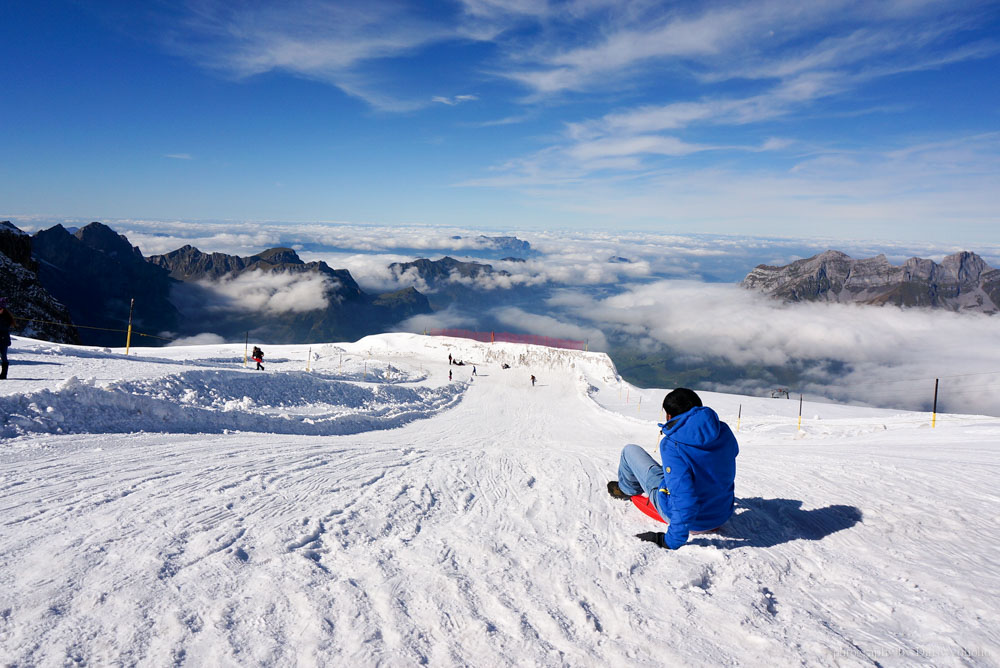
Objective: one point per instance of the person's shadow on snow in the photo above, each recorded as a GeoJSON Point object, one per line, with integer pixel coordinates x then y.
{"type": "Point", "coordinates": [760, 522]}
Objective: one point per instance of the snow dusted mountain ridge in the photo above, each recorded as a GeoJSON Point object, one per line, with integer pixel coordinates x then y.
{"type": "Point", "coordinates": [961, 282]}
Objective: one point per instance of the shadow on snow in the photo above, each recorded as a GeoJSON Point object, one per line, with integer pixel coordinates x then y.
{"type": "Point", "coordinates": [760, 522]}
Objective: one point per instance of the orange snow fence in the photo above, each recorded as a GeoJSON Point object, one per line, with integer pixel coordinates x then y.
{"type": "Point", "coordinates": [508, 337]}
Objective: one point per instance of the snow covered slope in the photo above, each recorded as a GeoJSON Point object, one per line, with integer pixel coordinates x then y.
{"type": "Point", "coordinates": [175, 508]}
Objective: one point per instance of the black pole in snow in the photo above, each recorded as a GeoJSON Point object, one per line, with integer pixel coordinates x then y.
{"type": "Point", "coordinates": [934, 410]}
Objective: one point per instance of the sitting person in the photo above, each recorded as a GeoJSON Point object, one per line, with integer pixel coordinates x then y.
{"type": "Point", "coordinates": [693, 490]}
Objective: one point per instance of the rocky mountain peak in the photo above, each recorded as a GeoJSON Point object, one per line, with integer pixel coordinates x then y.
{"type": "Point", "coordinates": [7, 226]}
{"type": "Point", "coordinates": [38, 313]}
{"type": "Point", "coordinates": [277, 256]}
{"type": "Point", "coordinates": [965, 266]}
{"type": "Point", "coordinates": [962, 281]}
{"type": "Point", "coordinates": [443, 270]}
{"type": "Point", "coordinates": [16, 245]}
{"type": "Point", "coordinates": [102, 238]}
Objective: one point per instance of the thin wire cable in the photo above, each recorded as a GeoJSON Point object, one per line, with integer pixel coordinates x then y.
{"type": "Point", "coordinates": [103, 329]}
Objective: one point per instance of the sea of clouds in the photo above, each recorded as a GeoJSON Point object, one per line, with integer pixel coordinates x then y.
{"type": "Point", "coordinates": [668, 295]}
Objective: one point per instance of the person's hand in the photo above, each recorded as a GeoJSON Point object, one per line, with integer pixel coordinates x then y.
{"type": "Point", "coordinates": [653, 537]}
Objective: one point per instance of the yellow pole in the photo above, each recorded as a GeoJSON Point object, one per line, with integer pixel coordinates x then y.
{"type": "Point", "coordinates": [128, 337]}
{"type": "Point", "coordinates": [309, 357]}
{"type": "Point", "coordinates": [800, 412]}
{"type": "Point", "coordinates": [934, 410]}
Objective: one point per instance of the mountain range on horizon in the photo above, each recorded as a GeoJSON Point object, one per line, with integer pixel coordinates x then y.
{"type": "Point", "coordinates": [77, 287]}
{"type": "Point", "coordinates": [960, 282]}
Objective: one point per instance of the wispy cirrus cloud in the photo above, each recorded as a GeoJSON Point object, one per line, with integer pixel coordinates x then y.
{"type": "Point", "coordinates": [551, 49]}
{"type": "Point", "coordinates": [742, 72]}
{"type": "Point", "coordinates": [331, 42]}
{"type": "Point", "coordinates": [454, 100]}
{"type": "Point", "coordinates": [774, 39]}
{"type": "Point", "coordinates": [179, 156]}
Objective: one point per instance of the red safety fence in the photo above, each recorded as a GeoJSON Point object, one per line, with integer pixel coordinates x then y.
{"type": "Point", "coordinates": [508, 337]}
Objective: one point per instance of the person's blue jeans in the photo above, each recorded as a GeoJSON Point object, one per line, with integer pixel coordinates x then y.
{"type": "Point", "coordinates": [639, 473]}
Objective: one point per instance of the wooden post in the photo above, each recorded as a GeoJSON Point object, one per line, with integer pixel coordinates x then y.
{"type": "Point", "coordinates": [309, 357]}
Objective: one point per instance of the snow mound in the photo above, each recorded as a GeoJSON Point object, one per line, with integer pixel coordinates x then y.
{"type": "Point", "coordinates": [218, 401]}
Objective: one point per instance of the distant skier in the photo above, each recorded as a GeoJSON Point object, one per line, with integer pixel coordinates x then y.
{"type": "Point", "coordinates": [693, 489]}
{"type": "Point", "coordinates": [474, 370]}
{"type": "Point", "coordinates": [449, 374]}
{"type": "Point", "coordinates": [7, 323]}
{"type": "Point", "coordinates": [533, 379]}
{"type": "Point", "coordinates": [258, 357]}
{"type": "Point", "coordinates": [449, 359]}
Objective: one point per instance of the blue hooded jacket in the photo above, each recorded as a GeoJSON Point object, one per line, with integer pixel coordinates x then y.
{"type": "Point", "coordinates": [698, 452]}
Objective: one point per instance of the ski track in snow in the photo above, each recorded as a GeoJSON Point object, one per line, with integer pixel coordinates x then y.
{"type": "Point", "coordinates": [175, 511]}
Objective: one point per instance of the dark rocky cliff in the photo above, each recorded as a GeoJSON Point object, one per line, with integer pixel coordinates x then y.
{"type": "Point", "coordinates": [961, 282]}
{"type": "Point", "coordinates": [447, 269]}
{"type": "Point", "coordinates": [96, 272]}
{"type": "Point", "coordinates": [39, 315]}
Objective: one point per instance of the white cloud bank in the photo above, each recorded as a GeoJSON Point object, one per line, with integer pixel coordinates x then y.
{"type": "Point", "coordinates": [882, 355]}
{"type": "Point", "coordinates": [268, 292]}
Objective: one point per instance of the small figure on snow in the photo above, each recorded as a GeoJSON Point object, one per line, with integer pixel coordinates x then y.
{"type": "Point", "coordinates": [693, 489]}
{"type": "Point", "coordinates": [533, 379]}
{"type": "Point", "coordinates": [449, 359]}
{"type": "Point", "coordinates": [449, 374]}
{"type": "Point", "coordinates": [504, 366]}
{"type": "Point", "coordinates": [7, 323]}
{"type": "Point", "coordinates": [474, 370]}
{"type": "Point", "coordinates": [258, 357]}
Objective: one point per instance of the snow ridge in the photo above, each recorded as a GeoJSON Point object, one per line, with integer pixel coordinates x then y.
{"type": "Point", "coordinates": [220, 401]}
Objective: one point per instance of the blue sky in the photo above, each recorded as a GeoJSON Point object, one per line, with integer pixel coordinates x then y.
{"type": "Point", "coordinates": [826, 118]}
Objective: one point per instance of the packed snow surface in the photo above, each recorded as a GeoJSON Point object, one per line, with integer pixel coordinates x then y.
{"type": "Point", "coordinates": [350, 505]}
